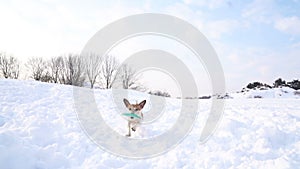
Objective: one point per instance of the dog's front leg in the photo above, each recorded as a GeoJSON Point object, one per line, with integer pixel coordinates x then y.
{"type": "Point", "coordinates": [133, 126]}
{"type": "Point", "coordinates": [129, 130]}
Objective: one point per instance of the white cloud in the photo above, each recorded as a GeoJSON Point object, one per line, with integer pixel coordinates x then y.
{"type": "Point", "coordinates": [47, 28]}
{"type": "Point", "coordinates": [243, 65]}
{"type": "Point", "coordinates": [295, 45]}
{"type": "Point", "coordinates": [183, 11]}
{"type": "Point", "coordinates": [264, 70]}
{"type": "Point", "coordinates": [212, 4]}
{"type": "Point", "coordinates": [290, 25]}
{"type": "Point", "coordinates": [234, 58]}
{"type": "Point", "coordinates": [213, 29]}
{"type": "Point", "coordinates": [216, 29]}
{"type": "Point", "coordinates": [262, 11]}
{"type": "Point", "coordinates": [270, 12]}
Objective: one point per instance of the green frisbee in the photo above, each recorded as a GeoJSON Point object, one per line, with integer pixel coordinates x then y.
{"type": "Point", "coordinates": [131, 115]}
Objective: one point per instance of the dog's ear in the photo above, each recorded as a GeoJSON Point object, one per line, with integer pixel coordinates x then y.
{"type": "Point", "coordinates": [142, 104]}
{"type": "Point", "coordinates": [126, 102]}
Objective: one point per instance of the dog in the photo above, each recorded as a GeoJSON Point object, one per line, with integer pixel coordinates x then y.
{"type": "Point", "coordinates": [137, 110]}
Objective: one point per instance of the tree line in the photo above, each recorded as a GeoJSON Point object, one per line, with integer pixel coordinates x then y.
{"type": "Point", "coordinates": [294, 84]}
{"type": "Point", "coordinates": [73, 69]}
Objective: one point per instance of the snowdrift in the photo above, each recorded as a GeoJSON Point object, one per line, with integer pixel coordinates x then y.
{"type": "Point", "coordinates": [39, 129]}
{"type": "Point", "coordinates": [283, 92]}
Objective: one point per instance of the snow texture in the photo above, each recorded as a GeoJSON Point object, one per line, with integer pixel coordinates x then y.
{"type": "Point", "coordinates": [283, 92]}
{"type": "Point", "coordinates": [39, 129]}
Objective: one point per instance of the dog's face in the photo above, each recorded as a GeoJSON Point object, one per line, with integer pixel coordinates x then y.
{"type": "Point", "coordinates": [134, 108]}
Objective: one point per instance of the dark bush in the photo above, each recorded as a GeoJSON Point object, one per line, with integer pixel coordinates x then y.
{"type": "Point", "coordinates": [258, 85]}
{"type": "Point", "coordinates": [160, 93]}
{"type": "Point", "coordinates": [295, 84]}
{"type": "Point", "coordinates": [279, 83]}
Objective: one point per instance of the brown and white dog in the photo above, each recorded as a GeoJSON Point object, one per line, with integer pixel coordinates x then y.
{"type": "Point", "coordinates": [135, 109]}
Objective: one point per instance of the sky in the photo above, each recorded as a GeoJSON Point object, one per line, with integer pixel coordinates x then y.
{"type": "Point", "coordinates": [256, 40]}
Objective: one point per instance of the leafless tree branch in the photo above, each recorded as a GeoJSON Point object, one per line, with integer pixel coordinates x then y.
{"type": "Point", "coordinates": [10, 66]}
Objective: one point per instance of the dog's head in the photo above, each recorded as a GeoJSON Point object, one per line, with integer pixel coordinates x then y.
{"type": "Point", "coordinates": [134, 108]}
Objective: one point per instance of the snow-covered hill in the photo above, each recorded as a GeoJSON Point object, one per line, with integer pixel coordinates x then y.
{"type": "Point", "coordinates": [282, 92]}
{"type": "Point", "coordinates": [39, 129]}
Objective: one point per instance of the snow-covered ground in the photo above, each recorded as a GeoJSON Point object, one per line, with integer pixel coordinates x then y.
{"type": "Point", "coordinates": [39, 129]}
{"type": "Point", "coordinates": [282, 92]}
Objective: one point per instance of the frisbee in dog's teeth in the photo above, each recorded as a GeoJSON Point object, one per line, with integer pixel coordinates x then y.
{"type": "Point", "coordinates": [131, 115]}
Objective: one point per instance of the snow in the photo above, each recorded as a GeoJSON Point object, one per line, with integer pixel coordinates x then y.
{"type": "Point", "coordinates": [283, 92]}
{"type": "Point", "coordinates": [39, 129]}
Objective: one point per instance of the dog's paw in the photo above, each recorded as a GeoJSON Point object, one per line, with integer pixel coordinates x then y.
{"type": "Point", "coordinates": [133, 129]}
{"type": "Point", "coordinates": [128, 135]}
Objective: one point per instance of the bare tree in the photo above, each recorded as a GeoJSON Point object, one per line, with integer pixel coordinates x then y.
{"type": "Point", "coordinates": [72, 70]}
{"type": "Point", "coordinates": [37, 66]}
{"type": "Point", "coordinates": [128, 77]}
{"type": "Point", "coordinates": [109, 68]}
{"type": "Point", "coordinates": [92, 67]}
{"type": "Point", "coordinates": [46, 76]}
{"type": "Point", "coordinates": [55, 65]}
{"type": "Point", "coordinates": [10, 66]}
{"type": "Point", "coordinates": [62, 73]}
